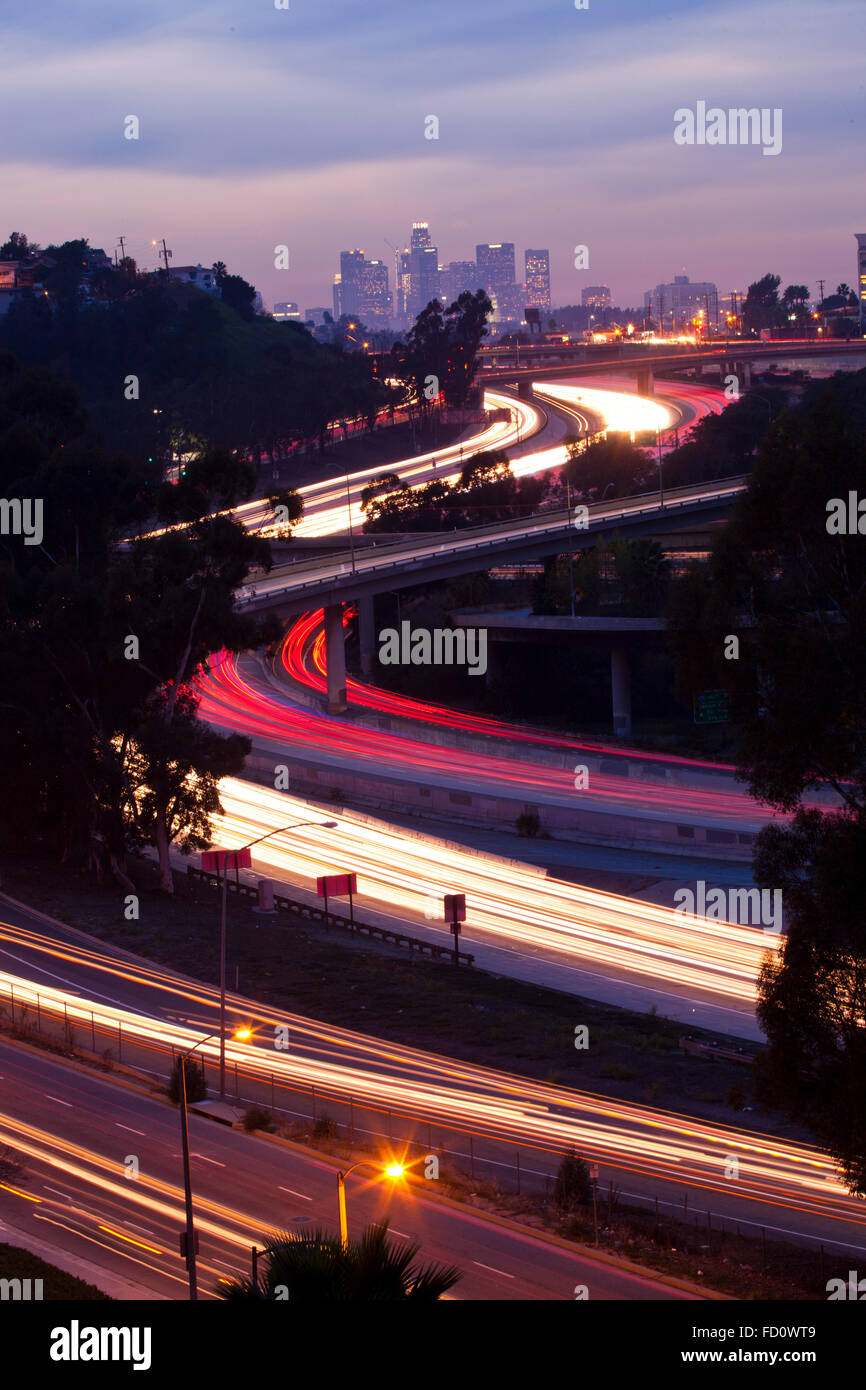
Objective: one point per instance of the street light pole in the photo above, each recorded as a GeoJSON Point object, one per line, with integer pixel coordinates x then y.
{"type": "Point", "coordinates": [351, 532]}
{"type": "Point", "coordinates": [391, 1170]}
{"type": "Point", "coordinates": [224, 887]}
{"type": "Point", "coordinates": [661, 469]}
{"type": "Point", "coordinates": [187, 1184]}
{"type": "Point", "coordinates": [325, 825]}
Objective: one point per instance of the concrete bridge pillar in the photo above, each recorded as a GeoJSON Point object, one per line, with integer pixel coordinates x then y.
{"type": "Point", "coordinates": [335, 659]}
{"type": "Point", "coordinates": [743, 372]}
{"type": "Point", "coordinates": [620, 688]}
{"type": "Point", "coordinates": [524, 390]}
{"type": "Point", "coordinates": [645, 381]}
{"type": "Point", "coordinates": [367, 634]}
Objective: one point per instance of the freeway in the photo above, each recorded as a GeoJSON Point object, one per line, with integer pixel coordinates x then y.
{"type": "Point", "coordinates": [328, 504]}
{"type": "Point", "coordinates": [290, 589]}
{"type": "Point", "coordinates": [748, 1176]}
{"type": "Point", "coordinates": [73, 1196]}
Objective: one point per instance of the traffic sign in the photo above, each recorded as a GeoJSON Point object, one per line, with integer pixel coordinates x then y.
{"type": "Point", "coordinates": [217, 859]}
{"type": "Point", "coordinates": [455, 907]}
{"type": "Point", "coordinates": [712, 707]}
{"type": "Point", "coordinates": [336, 885]}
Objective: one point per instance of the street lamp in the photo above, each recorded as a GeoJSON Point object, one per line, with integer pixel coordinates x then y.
{"type": "Point", "coordinates": [390, 1170]}
{"type": "Point", "coordinates": [661, 465]}
{"type": "Point", "coordinates": [240, 1033]}
{"type": "Point", "coordinates": [224, 857]}
{"type": "Point", "coordinates": [349, 514]}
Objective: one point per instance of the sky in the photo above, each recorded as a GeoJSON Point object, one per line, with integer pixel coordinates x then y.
{"type": "Point", "coordinates": [305, 127]}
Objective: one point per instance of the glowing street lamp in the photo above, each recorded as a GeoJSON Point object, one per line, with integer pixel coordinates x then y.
{"type": "Point", "coordinates": [219, 860]}
{"type": "Point", "coordinates": [188, 1239]}
{"type": "Point", "coordinates": [390, 1170]}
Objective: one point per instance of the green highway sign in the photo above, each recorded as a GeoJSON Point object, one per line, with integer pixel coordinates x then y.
{"type": "Point", "coordinates": [712, 707]}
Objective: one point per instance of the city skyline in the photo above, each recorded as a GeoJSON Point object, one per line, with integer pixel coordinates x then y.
{"type": "Point", "coordinates": [232, 161]}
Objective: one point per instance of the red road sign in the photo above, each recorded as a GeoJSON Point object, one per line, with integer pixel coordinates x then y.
{"type": "Point", "coordinates": [216, 859]}
{"type": "Point", "coordinates": [336, 885]}
{"type": "Point", "coordinates": [455, 907]}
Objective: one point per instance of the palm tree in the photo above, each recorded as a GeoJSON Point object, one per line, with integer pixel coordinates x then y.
{"type": "Point", "coordinates": [219, 270]}
{"type": "Point", "coordinates": [844, 290]}
{"type": "Point", "coordinates": [314, 1267]}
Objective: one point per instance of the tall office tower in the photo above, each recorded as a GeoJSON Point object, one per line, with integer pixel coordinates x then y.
{"type": "Point", "coordinates": [419, 272]}
{"type": "Point", "coordinates": [374, 299]}
{"type": "Point", "coordinates": [338, 297]}
{"type": "Point", "coordinates": [351, 271]}
{"type": "Point", "coordinates": [495, 262]}
{"type": "Point", "coordinates": [457, 276]}
{"type": "Point", "coordinates": [420, 236]}
{"type": "Point", "coordinates": [596, 297]}
{"type": "Point", "coordinates": [861, 272]}
{"type": "Point", "coordinates": [537, 269]}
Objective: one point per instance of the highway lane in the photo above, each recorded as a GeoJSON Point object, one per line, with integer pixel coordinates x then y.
{"type": "Point", "coordinates": [77, 1135]}
{"type": "Point", "coordinates": [327, 504]}
{"type": "Point", "coordinates": [745, 1176]}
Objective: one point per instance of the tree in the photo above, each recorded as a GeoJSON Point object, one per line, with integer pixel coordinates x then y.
{"type": "Point", "coordinates": [790, 584]}
{"type": "Point", "coordinates": [238, 294]}
{"type": "Point", "coordinates": [608, 467]}
{"type": "Point", "coordinates": [196, 1085]}
{"type": "Point", "coordinates": [314, 1267]}
{"type": "Point", "coordinates": [761, 305]}
{"type": "Point", "coordinates": [573, 1186]}
{"type": "Point", "coordinates": [812, 997]}
{"type": "Point", "coordinates": [18, 248]}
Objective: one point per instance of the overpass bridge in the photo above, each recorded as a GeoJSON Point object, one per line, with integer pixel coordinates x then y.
{"type": "Point", "coordinates": [521, 367]}
{"type": "Point", "coordinates": [329, 581]}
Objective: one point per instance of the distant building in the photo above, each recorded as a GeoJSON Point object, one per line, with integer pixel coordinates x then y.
{"type": "Point", "coordinates": [596, 297]}
{"type": "Point", "coordinates": [195, 275]}
{"type": "Point", "coordinates": [374, 297]}
{"type": "Point", "coordinates": [287, 310]}
{"type": "Point", "coordinates": [361, 288]}
{"type": "Point", "coordinates": [456, 277]}
{"type": "Point", "coordinates": [351, 265]}
{"type": "Point", "coordinates": [674, 305]}
{"type": "Point", "coordinates": [537, 269]}
{"type": "Point", "coordinates": [495, 261]}
{"type": "Point", "coordinates": [316, 316]}
{"type": "Point", "coordinates": [861, 272]}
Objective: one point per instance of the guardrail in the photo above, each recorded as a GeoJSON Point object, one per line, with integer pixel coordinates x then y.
{"type": "Point", "coordinates": [335, 919]}
{"type": "Point", "coordinates": [491, 541]}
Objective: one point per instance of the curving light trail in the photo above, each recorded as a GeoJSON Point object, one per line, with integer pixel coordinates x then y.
{"type": "Point", "coordinates": [302, 656]}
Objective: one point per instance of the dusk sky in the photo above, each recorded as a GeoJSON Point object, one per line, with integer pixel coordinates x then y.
{"type": "Point", "coordinates": [306, 127]}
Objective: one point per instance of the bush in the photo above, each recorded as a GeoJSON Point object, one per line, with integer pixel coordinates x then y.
{"type": "Point", "coordinates": [256, 1117]}
{"type": "Point", "coordinates": [196, 1086]}
{"type": "Point", "coordinates": [735, 1097]}
{"type": "Point", "coordinates": [573, 1186]}
{"type": "Point", "coordinates": [528, 824]}
{"type": "Point", "coordinates": [325, 1128]}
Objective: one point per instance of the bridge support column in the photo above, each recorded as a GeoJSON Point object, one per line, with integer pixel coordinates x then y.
{"type": "Point", "coordinates": [620, 689]}
{"type": "Point", "coordinates": [743, 372]}
{"type": "Point", "coordinates": [367, 634]}
{"type": "Point", "coordinates": [335, 659]}
{"type": "Point", "coordinates": [524, 390]}
{"type": "Point", "coordinates": [645, 382]}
